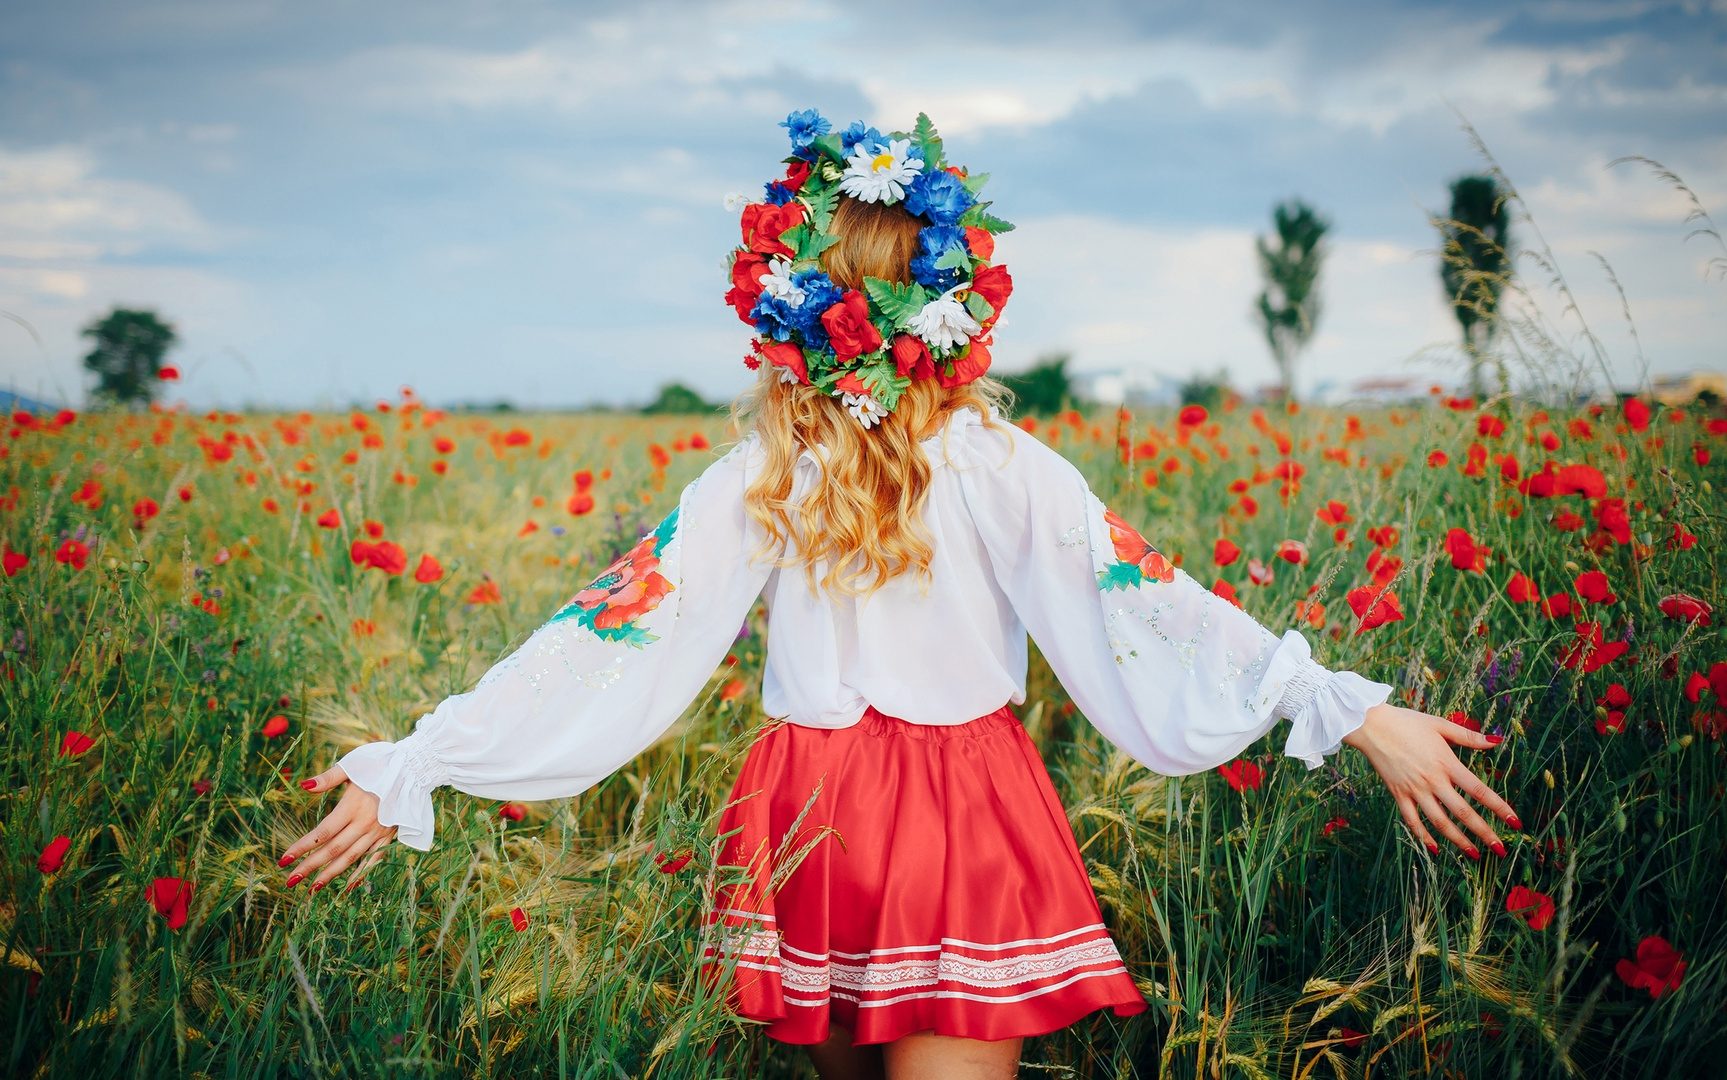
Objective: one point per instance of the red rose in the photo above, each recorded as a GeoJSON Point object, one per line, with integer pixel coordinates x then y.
{"type": "Point", "coordinates": [911, 357]}
{"type": "Point", "coordinates": [980, 241]}
{"type": "Point", "coordinates": [995, 286]}
{"type": "Point", "coordinates": [786, 355]}
{"type": "Point", "coordinates": [764, 222]}
{"type": "Point", "coordinates": [848, 326]}
{"type": "Point", "coordinates": [747, 273]}
{"type": "Point", "coordinates": [967, 366]}
{"type": "Point", "coordinates": [796, 173]}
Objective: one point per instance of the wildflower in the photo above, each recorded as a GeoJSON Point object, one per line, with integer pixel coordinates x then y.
{"type": "Point", "coordinates": [1658, 967]}
{"type": "Point", "coordinates": [1242, 774]}
{"type": "Point", "coordinates": [170, 897]}
{"type": "Point", "coordinates": [1686, 608]}
{"type": "Point", "coordinates": [1374, 607]}
{"type": "Point", "coordinates": [429, 570]}
{"type": "Point", "coordinates": [1534, 908]}
{"type": "Point", "coordinates": [54, 855]}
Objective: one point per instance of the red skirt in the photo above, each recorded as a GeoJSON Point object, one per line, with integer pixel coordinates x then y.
{"type": "Point", "coordinates": [939, 888]}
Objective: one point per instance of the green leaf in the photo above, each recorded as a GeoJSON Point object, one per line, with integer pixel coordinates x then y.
{"type": "Point", "coordinates": [811, 244]}
{"type": "Point", "coordinates": [988, 222]}
{"type": "Point", "coordinates": [1120, 575]}
{"type": "Point", "coordinates": [821, 203]}
{"type": "Point", "coordinates": [830, 146]}
{"type": "Point", "coordinates": [897, 302]}
{"type": "Point", "coordinates": [927, 142]}
{"type": "Point", "coordinates": [954, 258]}
{"type": "Point", "coordinates": [978, 306]}
{"type": "Point", "coordinates": [974, 182]}
{"type": "Point", "coordinates": [884, 382]}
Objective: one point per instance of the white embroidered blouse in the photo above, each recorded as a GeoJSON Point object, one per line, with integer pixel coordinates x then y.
{"type": "Point", "coordinates": [1175, 676]}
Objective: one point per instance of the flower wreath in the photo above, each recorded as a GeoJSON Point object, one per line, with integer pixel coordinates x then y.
{"type": "Point", "coordinates": [865, 347]}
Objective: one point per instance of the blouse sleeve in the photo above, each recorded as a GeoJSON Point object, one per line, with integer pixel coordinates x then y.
{"type": "Point", "coordinates": [596, 684]}
{"type": "Point", "coordinates": [1175, 676]}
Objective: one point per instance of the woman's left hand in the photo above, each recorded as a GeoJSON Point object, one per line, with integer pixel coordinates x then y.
{"type": "Point", "coordinates": [350, 831]}
{"type": "Point", "coordinates": [1412, 753]}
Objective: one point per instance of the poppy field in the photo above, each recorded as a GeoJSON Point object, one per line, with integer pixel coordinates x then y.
{"type": "Point", "coordinates": [201, 609]}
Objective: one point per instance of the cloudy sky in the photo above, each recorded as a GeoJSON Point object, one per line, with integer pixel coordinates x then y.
{"type": "Point", "coordinates": [524, 199]}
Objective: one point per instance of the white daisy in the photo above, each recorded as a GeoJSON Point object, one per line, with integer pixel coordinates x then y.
{"type": "Point", "coordinates": [787, 375]}
{"type": "Point", "coordinates": [777, 282]}
{"type": "Point", "coordinates": [865, 410]}
{"type": "Point", "coordinates": [883, 175]}
{"type": "Point", "coordinates": [944, 323]}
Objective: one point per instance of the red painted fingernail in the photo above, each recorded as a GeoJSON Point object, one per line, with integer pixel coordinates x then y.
{"type": "Point", "coordinates": [316, 885]}
{"type": "Point", "coordinates": [1498, 848]}
{"type": "Point", "coordinates": [1515, 822]}
{"type": "Point", "coordinates": [1472, 853]}
{"type": "Point", "coordinates": [1433, 849]}
{"type": "Point", "coordinates": [1495, 740]}
{"type": "Point", "coordinates": [309, 784]}
{"type": "Point", "coordinates": [284, 860]}
{"type": "Point", "coordinates": [295, 879]}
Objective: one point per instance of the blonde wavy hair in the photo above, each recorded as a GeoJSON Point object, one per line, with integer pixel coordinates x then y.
{"type": "Point", "coordinates": [864, 515]}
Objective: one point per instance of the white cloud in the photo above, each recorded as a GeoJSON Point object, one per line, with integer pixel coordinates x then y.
{"type": "Point", "coordinates": [54, 205]}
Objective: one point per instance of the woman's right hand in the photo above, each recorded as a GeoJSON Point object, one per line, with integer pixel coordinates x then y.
{"type": "Point", "coordinates": [348, 832]}
{"type": "Point", "coordinates": [1412, 753]}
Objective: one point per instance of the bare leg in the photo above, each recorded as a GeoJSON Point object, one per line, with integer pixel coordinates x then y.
{"type": "Point", "coordinates": [838, 1059]}
{"type": "Point", "coordinates": [928, 1056]}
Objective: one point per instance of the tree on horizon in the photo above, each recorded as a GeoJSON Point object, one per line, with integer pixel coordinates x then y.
{"type": "Point", "coordinates": [1289, 307]}
{"type": "Point", "coordinates": [127, 357]}
{"type": "Point", "coordinates": [1475, 264]}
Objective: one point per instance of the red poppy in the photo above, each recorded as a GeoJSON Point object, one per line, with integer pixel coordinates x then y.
{"type": "Point", "coordinates": [1131, 547]}
{"type": "Point", "coordinates": [385, 555]}
{"type": "Point", "coordinates": [73, 553]}
{"type": "Point", "coordinates": [1192, 415]}
{"type": "Point", "coordinates": [512, 811]}
{"type": "Point", "coordinates": [1242, 774]}
{"type": "Point", "coordinates": [1292, 551]}
{"type": "Point", "coordinates": [75, 742]}
{"type": "Point", "coordinates": [1636, 413]}
{"type": "Point", "coordinates": [1374, 607]}
{"type": "Point", "coordinates": [671, 864]}
{"type": "Point", "coordinates": [54, 855]}
{"type": "Point", "coordinates": [1590, 650]}
{"type": "Point", "coordinates": [276, 725]}
{"type": "Point", "coordinates": [330, 519]}
{"type": "Point", "coordinates": [1592, 587]}
{"type": "Point", "coordinates": [1227, 591]}
{"type": "Point", "coordinates": [1534, 908]}
{"type": "Point", "coordinates": [1686, 608]}
{"type": "Point", "coordinates": [429, 570]}
{"type": "Point", "coordinates": [518, 919]}
{"type": "Point", "coordinates": [1225, 552]}
{"type": "Point", "coordinates": [1521, 589]}
{"type": "Point", "coordinates": [1333, 513]}
{"type": "Point", "coordinates": [13, 561]}
{"type": "Point", "coordinates": [1259, 573]}
{"type": "Point", "coordinates": [1584, 480]}
{"type": "Point", "coordinates": [1658, 967]}
{"type": "Point", "coordinates": [486, 592]}
{"type": "Point", "coordinates": [1333, 825]}
{"type": "Point", "coordinates": [732, 690]}
{"type": "Point", "coordinates": [170, 896]}
{"type": "Point", "coordinates": [1383, 567]}
{"type": "Point", "coordinates": [1465, 553]}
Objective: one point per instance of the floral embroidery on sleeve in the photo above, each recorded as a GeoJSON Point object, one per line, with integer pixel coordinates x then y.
{"type": "Point", "coordinates": [1136, 561]}
{"type": "Point", "coordinates": [611, 605]}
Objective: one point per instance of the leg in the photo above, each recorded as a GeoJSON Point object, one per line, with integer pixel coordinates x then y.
{"type": "Point", "coordinates": [838, 1059]}
{"type": "Point", "coordinates": [928, 1056]}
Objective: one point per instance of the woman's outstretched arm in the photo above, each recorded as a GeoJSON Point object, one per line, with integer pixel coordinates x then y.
{"type": "Point", "coordinates": [596, 684]}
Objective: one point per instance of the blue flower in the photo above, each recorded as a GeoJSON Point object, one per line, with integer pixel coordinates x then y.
{"type": "Point", "coordinates": [780, 318]}
{"type": "Point", "coordinates": [777, 192]}
{"type": "Point", "coordinates": [939, 197]}
{"type": "Point", "coordinates": [869, 136]}
{"type": "Point", "coordinates": [805, 126]}
{"type": "Point", "coordinates": [933, 241]}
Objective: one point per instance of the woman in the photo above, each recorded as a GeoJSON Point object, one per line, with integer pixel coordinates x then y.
{"type": "Point", "coordinates": [912, 898]}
